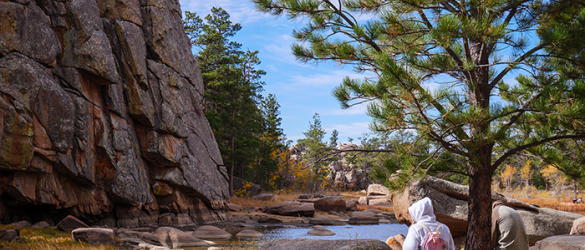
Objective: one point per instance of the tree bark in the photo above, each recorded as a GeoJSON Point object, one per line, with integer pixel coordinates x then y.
{"type": "Point", "coordinates": [479, 218]}
{"type": "Point", "coordinates": [233, 153]}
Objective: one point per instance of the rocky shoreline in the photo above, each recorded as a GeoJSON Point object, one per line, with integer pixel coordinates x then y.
{"type": "Point", "coordinates": [316, 213]}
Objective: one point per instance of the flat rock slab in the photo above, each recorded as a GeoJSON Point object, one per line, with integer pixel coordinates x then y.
{"type": "Point", "coordinates": [364, 221]}
{"type": "Point", "coordinates": [330, 204]}
{"type": "Point", "coordinates": [561, 242]}
{"type": "Point", "coordinates": [269, 220]}
{"type": "Point", "coordinates": [234, 207]}
{"type": "Point", "coordinates": [40, 225]}
{"type": "Point", "coordinates": [249, 234]}
{"type": "Point", "coordinates": [321, 220]}
{"type": "Point", "coordinates": [321, 232]}
{"type": "Point", "coordinates": [70, 223]}
{"type": "Point", "coordinates": [94, 236]}
{"type": "Point", "coordinates": [291, 208]}
{"type": "Point", "coordinates": [301, 243]}
{"type": "Point", "coordinates": [175, 238]}
{"type": "Point", "coordinates": [211, 232]}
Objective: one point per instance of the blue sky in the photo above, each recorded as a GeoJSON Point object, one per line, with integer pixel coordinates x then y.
{"type": "Point", "coordinates": [301, 89]}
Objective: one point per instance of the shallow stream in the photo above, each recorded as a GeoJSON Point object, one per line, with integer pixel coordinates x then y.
{"type": "Point", "coordinates": [342, 232]}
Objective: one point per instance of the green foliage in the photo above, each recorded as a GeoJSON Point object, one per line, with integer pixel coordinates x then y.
{"type": "Point", "coordinates": [232, 95]}
{"type": "Point", "coordinates": [315, 149]}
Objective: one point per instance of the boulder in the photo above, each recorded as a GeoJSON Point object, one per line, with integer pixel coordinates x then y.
{"type": "Point", "coordinates": [211, 233]}
{"type": "Point", "coordinates": [351, 205]}
{"type": "Point", "coordinates": [377, 189]}
{"type": "Point", "coordinates": [94, 236]}
{"type": "Point", "coordinates": [269, 220]}
{"type": "Point", "coordinates": [381, 201]}
{"type": "Point", "coordinates": [234, 207]}
{"type": "Point", "coordinates": [561, 242]}
{"type": "Point", "coordinates": [450, 207]}
{"type": "Point", "coordinates": [175, 238]}
{"type": "Point", "coordinates": [70, 223]}
{"type": "Point", "coordinates": [321, 220]}
{"type": "Point", "coordinates": [20, 224]}
{"type": "Point", "coordinates": [330, 204]}
{"type": "Point", "coordinates": [578, 226]}
{"type": "Point", "coordinates": [10, 235]}
{"type": "Point", "coordinates": [145, 237]}
{"type": "Point", "coordinates": [302, 243]}
{"type": "Point", "coordinates": [321, 231]}
{"type": "Point", "coordinates": [375, 200]}
{"type": "Point", "coordinates": [40, 225]}
{"type": "Point", "coordinates": [290, 208]}
{"type": "Point", "coordinates": [249, 234]}
{"type": "Point", "coordinates": [396, 242]}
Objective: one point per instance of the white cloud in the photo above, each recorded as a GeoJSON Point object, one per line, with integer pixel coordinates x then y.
{"type": "Point", "coordinates": [329, 79]}
{"type": "Point", "coordinates": [359, 109]}
{"type": "Point", "coordinates": [240, 11]}
{"type": "Point", "coordinates": [353, 129]}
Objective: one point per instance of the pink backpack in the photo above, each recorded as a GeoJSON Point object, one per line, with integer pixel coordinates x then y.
{"type": "Point", "coordinates": [433, 241]}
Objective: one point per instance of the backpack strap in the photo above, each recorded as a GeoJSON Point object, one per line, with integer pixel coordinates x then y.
{"type": "Point", "coordinates": [423, 226]}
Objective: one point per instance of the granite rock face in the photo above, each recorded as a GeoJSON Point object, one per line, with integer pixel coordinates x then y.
{"type": "Point", "coordinates": [101, 115]}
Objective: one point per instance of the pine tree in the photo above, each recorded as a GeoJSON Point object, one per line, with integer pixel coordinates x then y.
{"type": "Point", "coordinates": [315, 147]}
{"type": "Point", "coordinates": [333, 139]}
{"type": "Point", "coordinates": [232, 88]}
{"type": "Point", "coordinates": [470, 49]}
{"type": "Point", "coordinates": [272, 136]}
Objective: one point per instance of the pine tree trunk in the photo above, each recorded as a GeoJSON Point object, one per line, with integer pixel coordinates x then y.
{"type": "Point", "coordinates": [233, 153]}
{"type": "Point", "coordinates": [479, 218]}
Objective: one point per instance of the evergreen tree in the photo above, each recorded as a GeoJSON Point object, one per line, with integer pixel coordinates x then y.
{"type": "Point", "coordinates": [333, 139]}
{"type": "Point", "coordinates": [232, 88]}
{"type": "Point", "coordinates": [272, 137]}
{"type": "Point", "coordinates": [470, 48]}
{"type": "Point", "coordinates": [315, 148]}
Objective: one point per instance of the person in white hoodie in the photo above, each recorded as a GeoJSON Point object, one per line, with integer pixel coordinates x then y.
{"type": "Point", "coordinates": [422, 214]}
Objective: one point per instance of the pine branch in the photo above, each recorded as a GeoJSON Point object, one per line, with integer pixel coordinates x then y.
{"type": "Point", "coordinates": [520, 59]}
{"type": "Point", "coordinates": [529, 145]}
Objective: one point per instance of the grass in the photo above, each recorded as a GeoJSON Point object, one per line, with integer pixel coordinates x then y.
{"type": "Point", "coordinates": [49, 239]}
{"type": "Point", "coordinates": [556, 200]}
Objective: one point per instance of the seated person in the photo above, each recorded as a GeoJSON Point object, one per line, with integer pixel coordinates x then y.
{"type": "Point", "coordinates": [507, 228]}
{"type": "Point", "coordinates": [425, 224]}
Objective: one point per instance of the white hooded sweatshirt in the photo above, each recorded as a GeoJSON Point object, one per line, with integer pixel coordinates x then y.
{"type": "Point", "coordinates": [422, 213]}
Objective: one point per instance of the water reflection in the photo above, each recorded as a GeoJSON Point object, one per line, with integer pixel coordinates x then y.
{"type": "Point", "coordinates": [342, 232]}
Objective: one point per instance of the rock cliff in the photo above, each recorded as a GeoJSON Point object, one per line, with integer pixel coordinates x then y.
{"type": "Point", "coordinates": [101, 116]}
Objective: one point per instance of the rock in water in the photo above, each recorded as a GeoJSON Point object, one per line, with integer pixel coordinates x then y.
{"type": "Point", "coordinates": [249, 234]}
{"type": "Point", "coordinates": [99, 100]}
{"type": "Point", "coordinates": [290, 208]}
{"type": "Point", "coordinates": [211, 232]}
